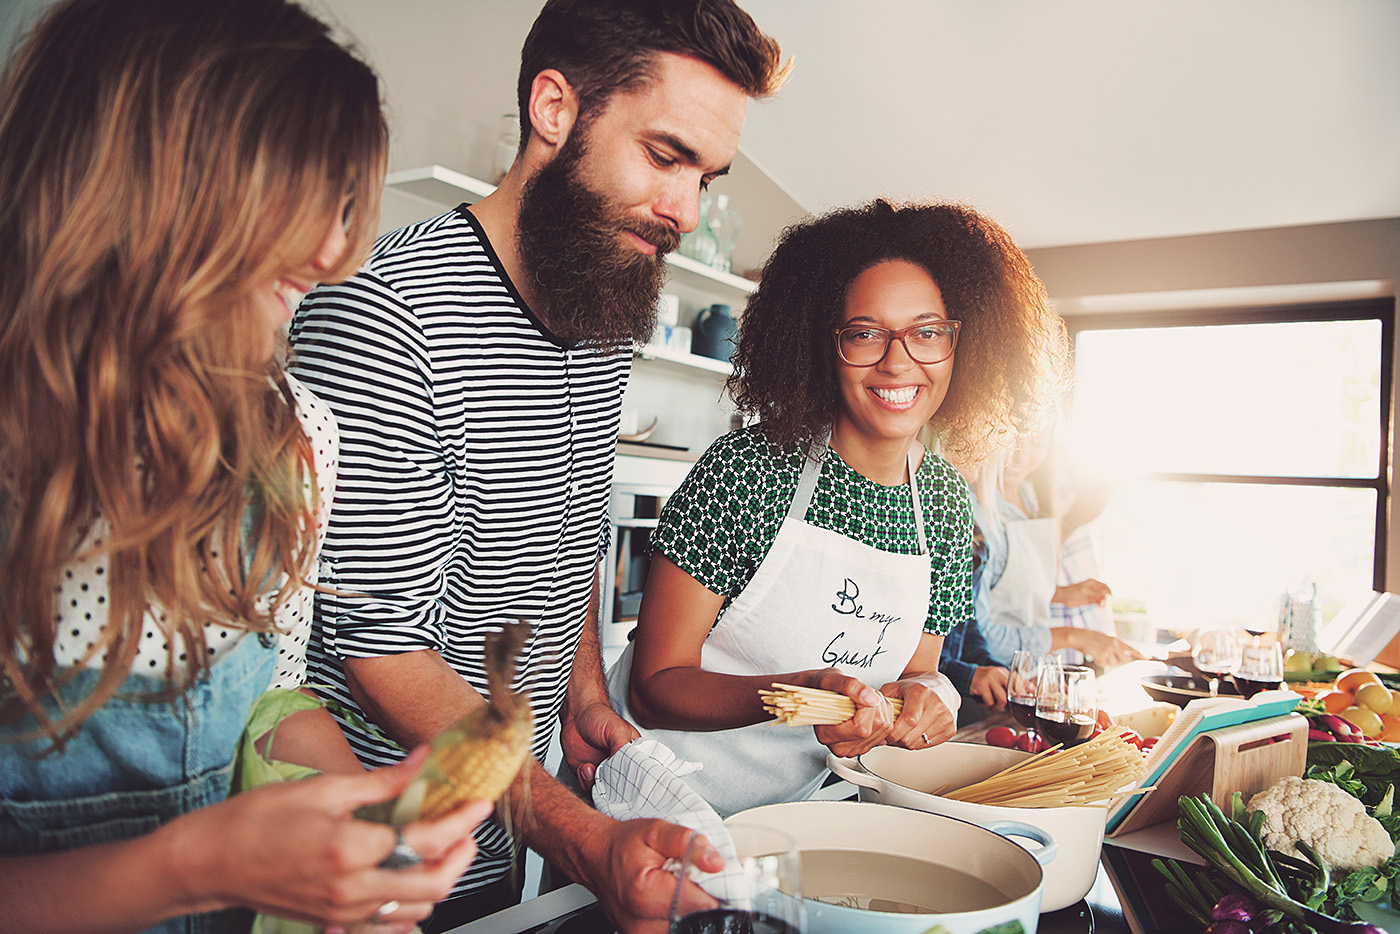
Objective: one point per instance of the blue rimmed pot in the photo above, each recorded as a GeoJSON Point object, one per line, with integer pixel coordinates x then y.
{"type": "Point", "coordinates": [943, 851]}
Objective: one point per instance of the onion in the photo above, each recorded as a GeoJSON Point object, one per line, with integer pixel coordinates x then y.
{"type": "Point", "coordinates": [1235, 907]}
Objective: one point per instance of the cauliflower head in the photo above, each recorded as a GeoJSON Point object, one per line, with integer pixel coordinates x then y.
{"type": "Point", "coordinates": [1326, 818]}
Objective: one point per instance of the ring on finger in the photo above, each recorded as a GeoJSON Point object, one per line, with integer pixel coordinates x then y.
{"type": "Point", "coordinates": [402, 856]}
{"type": "Point", "coordinates": [924, 737]}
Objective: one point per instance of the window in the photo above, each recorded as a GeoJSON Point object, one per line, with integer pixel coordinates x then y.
{"type": "Point", "coordinates": [1247, 451]}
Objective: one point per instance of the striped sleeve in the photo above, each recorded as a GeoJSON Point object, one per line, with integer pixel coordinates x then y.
{"type": "Point", "coordinates": [360, 348]}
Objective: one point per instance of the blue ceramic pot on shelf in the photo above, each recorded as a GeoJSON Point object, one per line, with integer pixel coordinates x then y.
{"type": "Point", "coordinates": [715, 333]}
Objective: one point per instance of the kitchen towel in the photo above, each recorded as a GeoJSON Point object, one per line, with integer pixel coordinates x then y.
{"type": "Point", "coordinates": [644, 779]}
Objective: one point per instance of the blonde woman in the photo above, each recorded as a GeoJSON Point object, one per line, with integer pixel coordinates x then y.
{"type": "Point", "coordinates": [175, 174]}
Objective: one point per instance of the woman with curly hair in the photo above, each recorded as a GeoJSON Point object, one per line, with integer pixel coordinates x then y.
{"type": "Point", "coordinates": [176, 174]}
{"type": "Point", "coordinates": [824, 546]}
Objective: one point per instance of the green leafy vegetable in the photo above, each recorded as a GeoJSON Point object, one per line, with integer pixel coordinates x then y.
{"type": "Point", "coordinates": [1366, 772]}
{"type": "Point", "coordinates": [1235, 851]}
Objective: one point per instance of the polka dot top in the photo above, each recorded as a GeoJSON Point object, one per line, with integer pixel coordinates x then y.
{"type": "Point", "coordinates": [82, 590]}
{"type": "Point", "coordinates": [721, 521]}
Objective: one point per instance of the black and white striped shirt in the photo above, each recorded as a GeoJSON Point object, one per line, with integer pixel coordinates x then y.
{"type": "Point", "coordinates": [475, 465]}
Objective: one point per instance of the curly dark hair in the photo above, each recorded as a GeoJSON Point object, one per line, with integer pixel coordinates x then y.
{"type": "Point", "coordinates": [1011, 365]}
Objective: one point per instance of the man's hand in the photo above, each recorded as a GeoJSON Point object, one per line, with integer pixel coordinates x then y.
{"type": "Point", "coordinates": [630, 883]}
{"type": "Point", "coordinates": [590, 735]}
{"type": "Point", "coordinates": [989, 686]}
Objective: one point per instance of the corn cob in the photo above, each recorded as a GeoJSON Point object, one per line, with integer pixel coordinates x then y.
{"type": "Point", "coordinates": [476, 758]}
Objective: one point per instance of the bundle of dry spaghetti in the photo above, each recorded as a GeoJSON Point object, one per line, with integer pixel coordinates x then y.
{"type": "Point", "coordinates": [799, 706]}
{"type": "Point", "coordinates": [1095, 772]}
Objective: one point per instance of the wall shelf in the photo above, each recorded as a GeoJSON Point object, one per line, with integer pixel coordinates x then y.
{"type": "Point", "coordinates": [691, 360]}
{"type": "Point", "coordinates": [439, 184]}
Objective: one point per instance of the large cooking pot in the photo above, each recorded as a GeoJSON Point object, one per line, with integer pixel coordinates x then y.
{"type": "Point", "coordinates": [851, 850]}
{"type": "Point", "coordinates": [908, 778]}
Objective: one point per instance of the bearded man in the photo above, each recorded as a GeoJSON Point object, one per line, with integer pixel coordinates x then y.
{"type": "Point", "coordinates": [476, 367]}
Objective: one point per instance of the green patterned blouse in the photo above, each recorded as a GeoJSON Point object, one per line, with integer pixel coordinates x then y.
{"type": "Point", "coordinates": [720, 523]}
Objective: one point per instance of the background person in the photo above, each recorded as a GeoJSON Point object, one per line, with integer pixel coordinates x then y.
{"type": "Point", "coordinates": [1078, 498]}
{"type": "Point", "coordinates": [965, 658]}
{"type": "Point", "coordinates": [176, 173]}
{"type": "Point", "coordinates": [490, 350]}
{"type": "Point", "coordinates": [825, 546]}
{"type": "Point", "coordinates": [1023, 565]}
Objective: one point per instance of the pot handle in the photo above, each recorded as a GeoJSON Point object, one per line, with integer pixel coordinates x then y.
{"type": "Point", "coordinates": [851, 771]}
{"type": "Point", "coordinates": [1011, 828]}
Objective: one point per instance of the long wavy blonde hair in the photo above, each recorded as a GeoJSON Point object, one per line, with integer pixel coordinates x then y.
{"type": "Point", "coordinates": [162, 159]}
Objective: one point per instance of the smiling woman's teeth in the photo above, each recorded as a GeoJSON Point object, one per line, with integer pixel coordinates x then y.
{"type": "Point", "coordinates": [897, 396]}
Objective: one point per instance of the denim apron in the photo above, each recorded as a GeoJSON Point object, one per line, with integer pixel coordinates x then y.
{"type": "Point", "coordinates": [817, 600]}
{"type": "Point", "coordinates": [133, 766]}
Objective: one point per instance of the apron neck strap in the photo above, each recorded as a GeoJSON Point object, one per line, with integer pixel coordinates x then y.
{"type": "Point", "coordinates": [812, 470]}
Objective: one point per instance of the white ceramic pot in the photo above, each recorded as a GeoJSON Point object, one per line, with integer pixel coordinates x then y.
{"type": "Point", "coordinates": [909, 777]}
{"type": "Point", "coordinates": [950, 853]}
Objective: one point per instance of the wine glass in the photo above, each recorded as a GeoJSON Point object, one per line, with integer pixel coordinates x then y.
{"type": "Point", "coordinates": [1217, 654]}
{"type": "Point", "coordinates": [1020, 686]}
{"type": "Point", "coordinates": [1066, 703]}
{"type": "Point", "coordinates": [1260, 668]}
{"type": "Point", "coordinates": [758, 893]}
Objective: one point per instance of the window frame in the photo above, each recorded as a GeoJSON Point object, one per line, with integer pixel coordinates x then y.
{"type": "Point", "coordinates": [1379, 309]}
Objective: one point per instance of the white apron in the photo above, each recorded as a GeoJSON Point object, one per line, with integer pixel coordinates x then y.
{"type": "Point", "coordinates": [1021, 596]}
{"type": "Point", "coordinates": [817, 600]}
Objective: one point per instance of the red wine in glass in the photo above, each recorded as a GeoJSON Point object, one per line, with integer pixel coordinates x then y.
{"type": "Point", "coordinates": [1022, 709]}
{"type": "Point", "coordinates": [1067, 729]}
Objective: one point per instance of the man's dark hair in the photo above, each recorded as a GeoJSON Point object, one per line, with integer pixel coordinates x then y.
{"type": "Point", "coordinates": [606, 46]}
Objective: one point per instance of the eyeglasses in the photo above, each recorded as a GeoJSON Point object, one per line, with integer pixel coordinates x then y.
{"type": "Point", "coordinates": [864, 345]}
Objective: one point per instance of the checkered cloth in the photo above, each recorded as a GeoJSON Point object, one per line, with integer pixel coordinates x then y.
{"type": "Point", "coordinates": [644, 779]}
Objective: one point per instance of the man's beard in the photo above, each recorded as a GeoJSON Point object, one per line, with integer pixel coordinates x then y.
{"type": "Point", "coordinates": [594, 288]}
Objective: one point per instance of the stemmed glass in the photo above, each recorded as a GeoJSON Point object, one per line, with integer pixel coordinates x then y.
{"type": "Point", "coordinates": [1020, 687]}
{"type": "Point", "coordinates": [1260, 668]}
{"type": "Point", "coordinates": [1217, 654]}
{"type": "Point", "coordinates": [1066, 703]}
{"type": "Point", "coordinates": [759, 893]}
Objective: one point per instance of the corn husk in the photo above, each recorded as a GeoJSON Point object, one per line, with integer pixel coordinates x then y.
{"type": "Point", "coordinates": [477, 757]}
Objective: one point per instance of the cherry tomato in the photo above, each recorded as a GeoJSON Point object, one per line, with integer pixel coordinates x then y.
{"type": "Point", "coordinates": [1030, 742]}
{"type": "Point", "coordinates": [1131, 736]}
{"type": "Point", "coordinates": [1002, 736]}
{"type": "Point", "coordinates": [1148, 743]}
